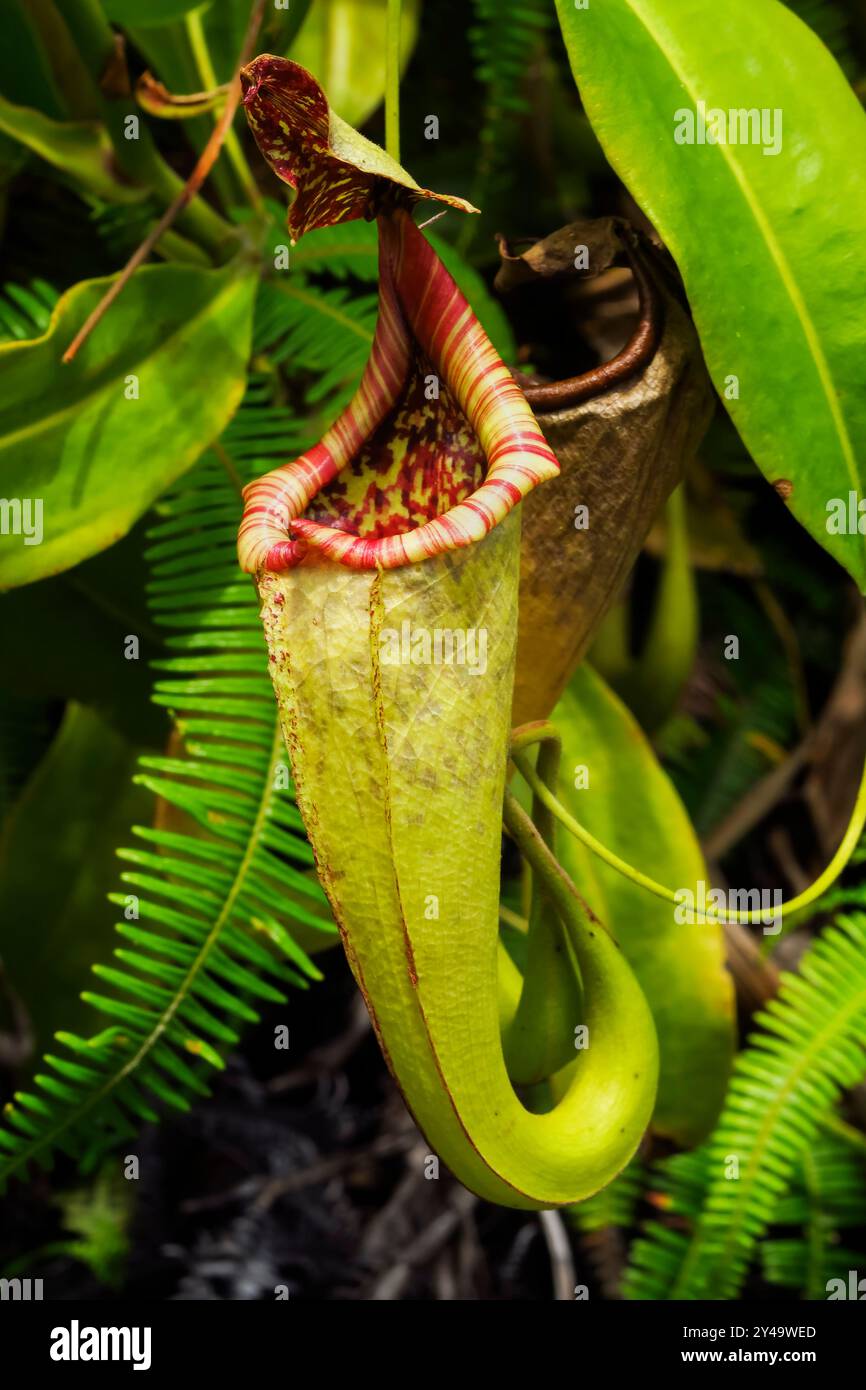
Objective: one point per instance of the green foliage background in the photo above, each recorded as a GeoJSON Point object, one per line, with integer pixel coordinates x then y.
{"type": "Point", "coordinates": [176, 756]}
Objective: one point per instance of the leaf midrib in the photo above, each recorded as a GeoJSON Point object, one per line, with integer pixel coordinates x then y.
{"type": "Point", "coordinates": [779, 259]}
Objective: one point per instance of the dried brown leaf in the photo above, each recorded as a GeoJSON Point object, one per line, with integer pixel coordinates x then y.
{"type": "Point", "coordinates": [622, 452]}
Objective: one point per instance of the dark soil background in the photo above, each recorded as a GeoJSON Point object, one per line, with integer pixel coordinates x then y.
{"type": "Point", "coordinates": [303, 1170]}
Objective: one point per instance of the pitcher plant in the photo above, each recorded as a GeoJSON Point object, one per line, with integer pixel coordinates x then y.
{"type": "Point", "coordinates": [387, 559]}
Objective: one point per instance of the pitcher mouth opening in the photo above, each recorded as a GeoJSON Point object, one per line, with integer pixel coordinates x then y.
{"type": "Point", "coordinates": [438, 443]}
{"type": "Point", "coordinates": [436, 447]}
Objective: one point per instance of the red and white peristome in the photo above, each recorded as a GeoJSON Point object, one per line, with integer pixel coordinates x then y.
{"type": "Point", "coordinates": [422, 315]}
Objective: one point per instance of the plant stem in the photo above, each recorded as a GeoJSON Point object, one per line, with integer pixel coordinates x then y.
{"type": "Point", "coordinates": [512, 919]}
{"type": "Point", "coordinates": [802, 900]}
{"type": "Point", "coordinates": [141, 161]}
{"type": "Point", "coordinates": [549, 1001]}
{"type": "Point", "coordinates": [562, 892]}
{"type": "Point", "coordinates": [232, 145]}
{"type": "Point", "coordinates": [188, 192]}
{"type": "Point", "coordinates": [671, 642]}
{"type": "Point", "coordinates": [231, 468]}
{"type": "Point", "coordinates": [392, 79]}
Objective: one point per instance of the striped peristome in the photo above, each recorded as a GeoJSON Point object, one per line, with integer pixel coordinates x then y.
{"type": "Point", "coordinates": [407, 471]}
{"type": "Point", "coordinates": [420, 310]}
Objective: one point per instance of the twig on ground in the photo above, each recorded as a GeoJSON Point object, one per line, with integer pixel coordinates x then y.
{"type": "Point", "coordinates": [559, 1250]}
{"type": "Point", "coordinates": [758, 801]}
{"type": "Point", "coordinates": [273, 1188]}
{"type": "Point", "coordinates": [329, 1058]}
{"type": "Point", "coordinates": [390, 1286]}
{"type": "Point", "coordinates": [755, 978]}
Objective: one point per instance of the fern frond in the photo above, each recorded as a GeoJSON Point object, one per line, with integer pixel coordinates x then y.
{"type": "Point", "coordinates": [616, 1204]}
{"type": "Point", "coordinates": [602, 1222]}
{"type": "Point", "coordinates": [795, 1264]}
{"type": "Point", "coordinates": [325, 332]}
{"type": "Point", "coordinates": [676, 1187]}
{"type": "Point", "coordinates": [211, 901]}
{"type": "Point", "coordinates": [219, 896]}
{"type": "Point", "coordinates": [219, 893]}
{"type": "Point", "coordinates": [504, 40]}
{"type": "Point", "coordinates": [25, 310]}
{"type": "Point", "coordinates": [311, 304]}
{"type": "Point", "coordinates": [349, 250]}
{"type": "Point", "coordinates": [812, 1045]}
{"type": "Point", "coordinates": [830, 1180]}
{"type": "Point", "coordinates": [827, 1196]}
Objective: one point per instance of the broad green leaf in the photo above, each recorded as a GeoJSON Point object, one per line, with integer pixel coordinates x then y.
{"type": "Point", "coordinates": [150, 12]}
{"type": "Point", "coordinates": [57, 861]}
{"type": "Point", "coordinates": [85, 448]}
{"type": "Point", "coordinates": [79, 149]}
{"type": "Point", "coordinates": [342, 42]}
{"type": "Point", "coordinates": [203, 49]}
{"type": "Point", "coordinates": [25, 72]}
{"type": "Point", "coordinates": [770, 236]}
{"type": "Point", "coordinates": [631, 807]}
{"type": "Point", "coordinates": [48, 40]}
{"type": "Point", "coordinates": [204, 46]}
{"type": "Point", "coordinates": [94, 607]}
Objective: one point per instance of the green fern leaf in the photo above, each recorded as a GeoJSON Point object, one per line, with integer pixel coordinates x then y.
{"type": "Point", "coordinates": [504, 40]}
{"type": "Point", "coordinates": [25, 310]}
{"type": "Point", "coordinates": [794, 1264]}
{"type": "Point", "coordinates": [215, 905]}
{"type": "Point", "coordinates": [349, 250]}
{"type": "Point", "coordinates": [615, 1206]}
{"type": "Point", "coordinates": [348, 256]}
{"type": "Point", "coordinates": [220, 897]}
{"type": "Point", "coordinates": [676, 1187]}
{"type": "Point", "coordinates": [220, 900]}
{"type": "Point", "coordinates": [812, 1045]}
{"type": "Point", "coordinates": [327, 333]}
{"type": "Point", "coordinates": [828, 1195]}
